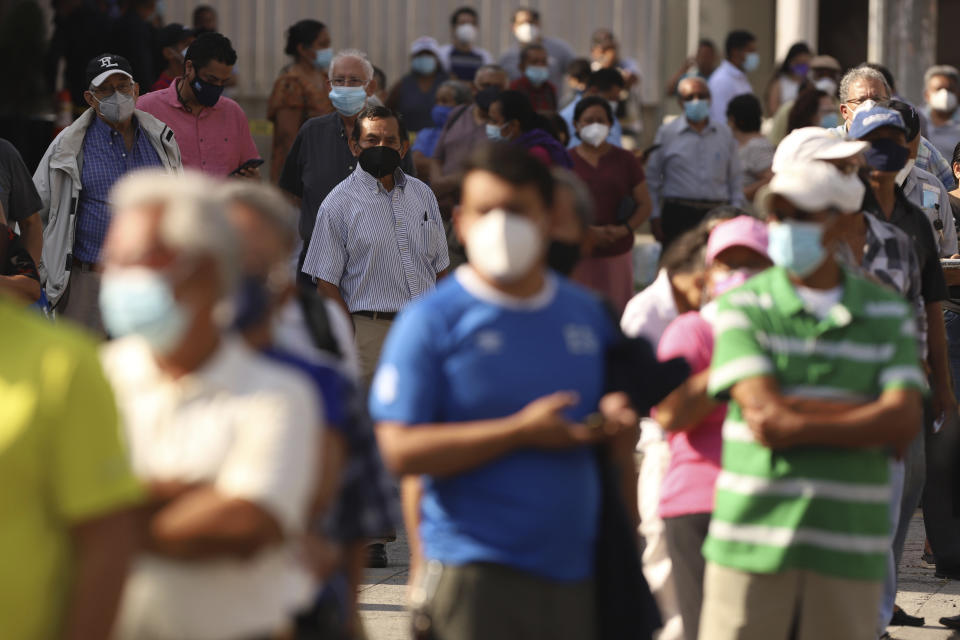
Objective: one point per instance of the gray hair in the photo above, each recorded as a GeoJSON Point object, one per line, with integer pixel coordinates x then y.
{"type": "Point", "coordinates": [194, 220]}
{"type": "Point", "coordinates": [461, 92]}
{"type": "Point", "coordinates": [582, 200]}
{"type": "Point", "coordinates": [353, 53]}
{"type": "Point", "coordinates": [947, 70]}
{"type": "Point", "coordinates": [861, 73]}
{"type": "Point", "coordinates": [703, 82]}
{"type": "Point", "coordinates": [268, 202]}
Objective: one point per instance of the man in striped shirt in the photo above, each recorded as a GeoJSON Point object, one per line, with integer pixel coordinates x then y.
{"type": "Point", "coordinates": [822, 371]}
{"type": "Point", "coordinates": [378, 241]}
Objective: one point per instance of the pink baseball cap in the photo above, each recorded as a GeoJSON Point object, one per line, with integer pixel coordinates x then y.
{"type": "Point", "coordinates": [742, 231]}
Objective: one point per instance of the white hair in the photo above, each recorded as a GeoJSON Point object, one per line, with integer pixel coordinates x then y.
{"type": "Point", "coordinates": [194, 220]}
{"type": "Point", "coordinates": [861, 73]}
{"type": "Point", "coordinates": [353, 53]}
{"type": "Point", "coordinates": [268, 202]}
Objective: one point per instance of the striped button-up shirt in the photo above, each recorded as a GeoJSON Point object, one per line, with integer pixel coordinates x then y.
{"type": "Point", "coordinates": [381, 248]}
{"type": "Point", "coordinates": [105, 159]}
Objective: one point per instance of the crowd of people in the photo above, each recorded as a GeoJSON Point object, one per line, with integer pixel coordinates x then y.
{"type": "Point", "coordinates": [223, 394]}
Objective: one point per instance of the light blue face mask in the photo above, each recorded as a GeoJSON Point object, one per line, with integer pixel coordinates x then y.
{"type": "Point", "coordinates": [537, 75]}
{"type": "Point", "coordinates": [348, 100]}
{"type": "Point", "coordinates": [696, 110]}
{"type": "Point", "coordinates": [752, 62]}
{"type": "Point", "coordinates": [830, 121]}
{"type": "Point", "coordinates": [322, 58]}
{"type": "Point", "coordinates": [494, 132]}
{"type": "Point", "coordinates": [140, 301]}
{"type": "Point", "coordinates": [424, 64]}
{"type": "Point", "coordinates": [796, 246]}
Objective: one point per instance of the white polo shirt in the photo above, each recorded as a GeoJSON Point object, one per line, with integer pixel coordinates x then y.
{"type": "Point", "coordinates": [247, 426]}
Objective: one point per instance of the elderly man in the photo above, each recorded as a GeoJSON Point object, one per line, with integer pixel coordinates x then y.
{"type": "Point", "coordinates": [379, 239]}
{"type": "Point", "coordinates": [321, 156]}
{"type": "Point", "coordinates": [534, 81]}
{"type": "Point", "coordinates": [942, 83]}
{"type": "Point", "coordinates": [694, 167]}
{"type": "Point", "coordinates": [225, 440]}
{"type": "Point", "coordinates": [76, 174]}
{"type": "Point", "coordinates": [526, 30]}
{"type": "Point", "coordinates": [212, 130]}
{"type": "Point", "coordinates": [866, 83]}
{"type": "Point", "coordinates": [606, 83]}
{"type": "Point", "coordinates": [730, 78]}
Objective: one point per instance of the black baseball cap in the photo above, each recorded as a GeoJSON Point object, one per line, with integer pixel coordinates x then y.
{"type": "Point", "coordinates": [104, 65]}
{"type": "Point", "coordinates": [172, 34]}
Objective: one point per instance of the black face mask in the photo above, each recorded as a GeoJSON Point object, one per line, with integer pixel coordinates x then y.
{"type": "Point", "coordinates": [207, 94]}
{"type": "Point", "coordinates": [379, 161]}
{"type": "Point", "coordinates": [562, 257]}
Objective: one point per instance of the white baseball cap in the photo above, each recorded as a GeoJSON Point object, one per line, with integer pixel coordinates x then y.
{"type": "Point", "coordinates": [425, 43]}
{"type": "Point", "coordinates": [814, 186]}
{"type": "Point", "coordinates": [813, 143]}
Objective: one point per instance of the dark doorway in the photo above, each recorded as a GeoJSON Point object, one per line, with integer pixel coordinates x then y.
{"type": "Point", "coordinates": [843, 30]}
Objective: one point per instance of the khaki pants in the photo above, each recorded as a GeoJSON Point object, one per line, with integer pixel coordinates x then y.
{"type": "Point", "coordinates": [370, 335]}
{"type": "Point", "coordinates": [81, 301]}
{"type": "Point", "coordinates": [795, 604]}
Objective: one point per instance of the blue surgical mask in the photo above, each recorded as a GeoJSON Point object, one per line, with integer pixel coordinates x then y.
{"type": "Point", "coordinates": [886, 155]}
{"type": "Point", "coordinates": [796, 246]}
{"type": "Point", "coordinates": [751, 62]}
{"type": "Point", "coordinates": [140, 301]}
{"type": "Point", "coordinates": [494, 132]}
{"type": "Point", "coordinates": [537, 75]}
{"type": "Point", "coordinates": [440, 113]}
{"type": "Point", "coordinates": [322, 58]}
{"type": "Point", "coordinates": [424, 65]}
{"type": "Point", "coordinates": [348, 101]}
{"type": "Point", "coordinates": [696, 110]}
{"type": "Point", "coordinates": [830, 121]}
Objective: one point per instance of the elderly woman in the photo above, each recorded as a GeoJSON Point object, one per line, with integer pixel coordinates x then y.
{"type": "Point", "coordinates": [450, 95]}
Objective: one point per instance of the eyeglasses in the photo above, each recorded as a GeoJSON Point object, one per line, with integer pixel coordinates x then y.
{"type": "Point", "coordinates": [106, 91]}
{"type": "Point", "coordinates": [351, 81]}
{"type": "Point", "coordinates": [694, 96]}
{"type": "Point", "coordinates": [858, 101]}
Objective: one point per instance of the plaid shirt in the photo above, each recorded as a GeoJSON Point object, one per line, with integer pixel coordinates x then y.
{"type": "Point", "coordinates": [929, 159]}
{"type": "Point", "coordinates": [105, 160]}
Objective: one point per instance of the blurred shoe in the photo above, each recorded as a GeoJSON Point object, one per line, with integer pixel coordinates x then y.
{"type": "Point", "coordinates": [951, 622]}
{"type": "Point", "coordinates": [951, 573]}
{"type": "Point", "coordinates": [376, 556]}
{"type": "Point", "coordinates": [901, 618]}
{"type": "Point", "coordinates": [928, 558]}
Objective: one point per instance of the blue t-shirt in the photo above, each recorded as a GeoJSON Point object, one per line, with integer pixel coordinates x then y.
{"type": "Point", "coordinates": [466, 352]}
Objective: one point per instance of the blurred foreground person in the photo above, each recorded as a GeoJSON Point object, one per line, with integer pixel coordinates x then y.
{"type": "Point", "coordinates": [225, 440]}
{"type": "Point", "coordinates": [512, 489]}
{"type": "Point", "coordinates": [822, 374]}
{"type": "Point", "coordinates": [67, 527]}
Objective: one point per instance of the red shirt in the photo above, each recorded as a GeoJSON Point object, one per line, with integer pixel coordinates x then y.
{"type": "Point", "coordinates": [610, 182]}
{"type": "Point", "coordinates": [543, 98]}
{"type": "Point", "coordinates": [216, 141]}
{"type": "Point", "coordinates": [162, 82]}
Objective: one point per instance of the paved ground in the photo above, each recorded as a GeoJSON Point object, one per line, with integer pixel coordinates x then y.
{"type": "Point", "coordinates": [385, 618]}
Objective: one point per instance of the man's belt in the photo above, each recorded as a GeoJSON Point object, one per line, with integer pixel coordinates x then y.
{"type": "Point", "coordinates": [376, 315]}
{"type": "Point", "coordinates": [695, 204]}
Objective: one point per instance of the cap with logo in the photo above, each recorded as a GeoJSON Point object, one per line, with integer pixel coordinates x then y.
{"type": "Point", "coordinates": [870, 116]}
{"type": "Point", "coordinates": [105, 65]}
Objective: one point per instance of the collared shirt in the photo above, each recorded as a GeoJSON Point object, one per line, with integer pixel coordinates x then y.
{"type": "Point", "coordinates": [105, 160]}
{"type": "Point", "coordinates": [925, 191]}
{"type": "Point", "coordinates": [726, 83]}
{"type": "Point", "coordinates": [381, 248]}
{"type": "Point", "coordinates": [694, 165]}
{"type": "Point", "coordinates": [818, 508]}
{"type": "Point", "coordinates": [216, 141]}
{"type": "Point", "coordinates": [542, 98]}
{"type": "Point", "coordinates": [614, 137]}
{"type": "Point", "coordinates": [249, 428]}
{"type": "Point", "coordinates": [319, 160]}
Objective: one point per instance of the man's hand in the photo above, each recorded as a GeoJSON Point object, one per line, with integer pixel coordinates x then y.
{"type": "Point", "coordinates": [249, 172]}
{"type": "Point", "coordinates": [542, 423]}
{"type": "Point", "coordinates": [944, 404]}
{"type": "Point", "coordinates": [773, 426]}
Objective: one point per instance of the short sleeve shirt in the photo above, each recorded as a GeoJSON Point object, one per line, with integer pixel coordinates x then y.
{"type": "Point", "coordinates": [18, 195]}
{"type": "Point", "coordinates": [610, 182]}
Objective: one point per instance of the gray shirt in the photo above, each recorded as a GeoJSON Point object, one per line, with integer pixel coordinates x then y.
{"type": "Point", "coordinates": [559, 55]}
{"type": "Point", "coordinates": [694, 166]}
{"type": "Point", "coordinates": [924, 190]}
{"type": "Point", "coordinates": [319, 160]}
{"type": "Point", "coordinates": [18, 195]}
{"type": "Point", "coordinates": [944, 137]}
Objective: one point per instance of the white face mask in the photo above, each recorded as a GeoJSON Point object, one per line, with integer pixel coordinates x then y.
{"type": "Point", "coordinates": [527, 32]}
{"type": "Point", "coordinates": [594, 134]}
{"type": "Point", "coordinates": [827, 85]}
{"type": "Point", "coordinates": [466, 32]}
{"type": "Point", "coordinates": [943, 100]}
{"type": "Point", "coordinates": [117, 108]}
{"type": "Point", "coordinates": [503, 246]}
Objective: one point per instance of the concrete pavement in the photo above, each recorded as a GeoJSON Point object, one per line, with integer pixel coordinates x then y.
{"type": "Point", "coordinates": [384, 615]}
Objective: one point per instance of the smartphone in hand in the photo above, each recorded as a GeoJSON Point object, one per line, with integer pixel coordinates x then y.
{"type": "Point", "coordinates": [252, 163]}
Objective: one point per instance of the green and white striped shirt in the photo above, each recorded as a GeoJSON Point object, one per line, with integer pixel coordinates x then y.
{"type": "Point", "coordinates": [819, 508]}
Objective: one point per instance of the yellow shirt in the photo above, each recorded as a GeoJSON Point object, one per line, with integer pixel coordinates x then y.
{"type": "Point", "coordinates": [62, 461]}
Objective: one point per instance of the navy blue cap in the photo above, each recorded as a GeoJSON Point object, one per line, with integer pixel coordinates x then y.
{"type": "Point", "coordinates": [870, 118]}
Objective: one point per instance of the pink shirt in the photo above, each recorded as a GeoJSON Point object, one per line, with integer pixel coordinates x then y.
{"type": "Point", "coordinates": [688, 486]}
{"type": "Point", "coordinates": [216, 142]}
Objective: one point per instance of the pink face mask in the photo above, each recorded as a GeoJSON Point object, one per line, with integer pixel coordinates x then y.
{"type": "Point", "coordinates": [730, 280]}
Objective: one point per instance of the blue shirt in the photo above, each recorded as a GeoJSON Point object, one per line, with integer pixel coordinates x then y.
{"type": "Point", "coordinates": [467, 352]}
{"type": "Point", "coordinates": [382, 249]}
{"type": "Point", "coordinates": [426, 141]}
{"type": "Point", "coordinates": [105, 160]}
{"type": "Point", "coordinates": [614, 137]}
